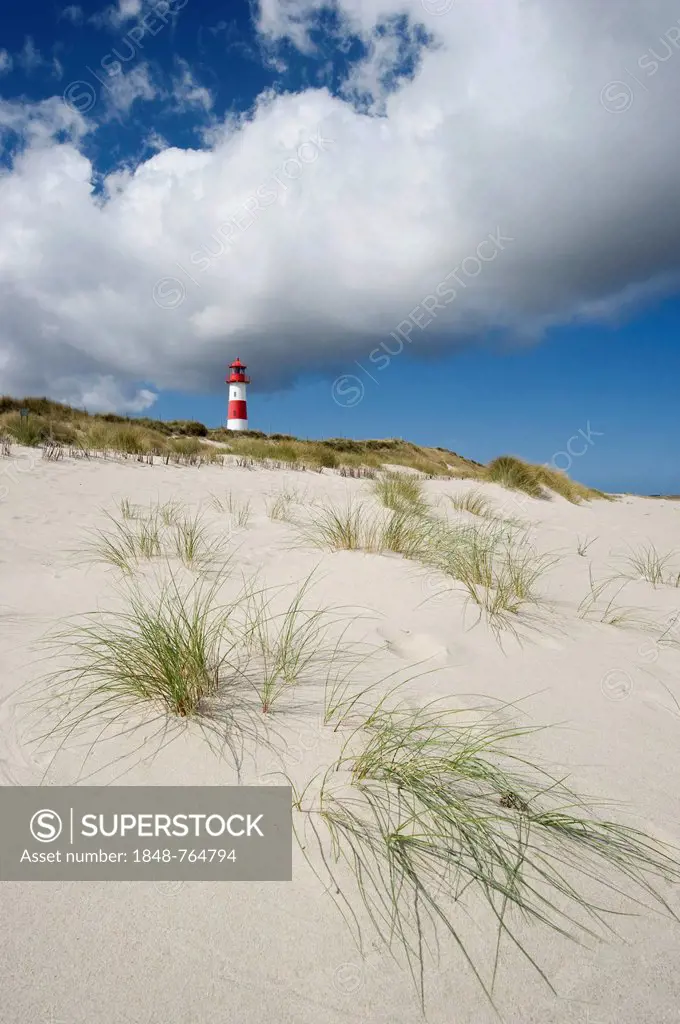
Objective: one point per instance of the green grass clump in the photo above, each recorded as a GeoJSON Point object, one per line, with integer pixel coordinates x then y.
{"type": "Point", "coordinates": [238, 511]}
{"type": "Point", "coordinates": [474, 502]}
{"type": "Point", "coordinates": [170, 512]}
{"type": "Point", "coordinates": [163, 651]}
{"type": "Point", "coordinates": [282, 647]}
{"type": "Point", "coordinates": [28, 430]}
{"type": "Point", "coordinates": [582, 545]}
{"type": "Point", "coordinates": [498, 569]}
{"type": "Point", "coordinates": [191, 543]}
{"type": "Point", "coordinates": [353, 527]}
{"type": "Point", "coordinates": [185, 445]}
{"type": "Point", "coordinates": [537, 481]}
{"type": "Point", "coordinates": [279, 505]}
{"type": "Point", "coordinates": [428, 819]}
{"type": "Point", "coordinates": [515, 474]}
{"type": "Point", "coordinates": [359, 527]}
{"type": "Point", "coordinates": [128, 510]}
{"type": "Point", "coordinates": [645, 563]}
{"type": "Point", "coordinates": [126, 542]}
{"type": "Point", "coordinates": [399, 491]}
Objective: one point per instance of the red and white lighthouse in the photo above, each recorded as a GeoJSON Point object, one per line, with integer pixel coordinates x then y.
{"type": "Point", "coordinates": [237, 415]}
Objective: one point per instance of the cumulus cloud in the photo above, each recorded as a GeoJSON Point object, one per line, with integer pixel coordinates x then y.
{"type": "Point", "coordinates": [302, 235]}
{"type": "Point", "coordinates": [6, 62]}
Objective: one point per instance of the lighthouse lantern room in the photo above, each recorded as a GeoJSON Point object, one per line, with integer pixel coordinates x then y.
{"type": "Point", "coordinates": [237, 414]}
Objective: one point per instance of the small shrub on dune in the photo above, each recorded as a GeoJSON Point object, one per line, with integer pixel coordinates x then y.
{"type": "Point", "coordinates": [322, 456]}
{"type": "Point", "coordinates": [428, 817]}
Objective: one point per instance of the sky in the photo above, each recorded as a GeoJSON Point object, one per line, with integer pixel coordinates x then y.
{"type": "Point", "coordinates": [453, 221]}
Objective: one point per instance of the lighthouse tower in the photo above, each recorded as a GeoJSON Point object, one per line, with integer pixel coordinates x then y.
{"type": "Point", "coordinates": [237, 416]}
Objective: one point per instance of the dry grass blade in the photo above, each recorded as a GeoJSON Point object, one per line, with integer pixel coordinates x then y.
{"type": "Point", "coordinates": [582, 545]}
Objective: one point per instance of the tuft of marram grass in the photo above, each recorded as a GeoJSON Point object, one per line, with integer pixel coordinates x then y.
{"type": "Point", "coordinates": [474, 502]}
{"type": "Point", "coordinates": [601, 606]}
{"type": "Point", "coordinates": [646, 563]}
{"type": "Point", "coordinates": [126, 542]}
{"type": "Point", "coordinates": [238, 511]}
{"type": "Point", "coordinates": [191, 542]}
{"type": "Point", "coordinates": [353, 527]}
{"type": "Point", "coordinates": [359, 527]}
{"type": "Point", "coordinates": [128, 510]}
{"type": "Point", "coordinates": [426, 817]}
{"type": "Point", "coordinates": [538, 481]}
{"type": "Point", "coordinates": [499, 570]}
{"type": "Point", "coordinates": [169, 513]}
{"type": "Point", "coordinates": [284, 647]}
{"type": "Point", "coordinates": [400, 491]}
{"type": "Point", "coordinates": [163, 651]}
{"type": "Point", "coordinates": [279, 505]}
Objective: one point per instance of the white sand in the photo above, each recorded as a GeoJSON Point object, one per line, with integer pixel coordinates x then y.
{"type": "Point", "coordinates": [138, 953]}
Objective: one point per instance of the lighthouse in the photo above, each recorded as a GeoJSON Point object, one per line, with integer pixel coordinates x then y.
{"type": "Point", "coordinates": [237, 415]}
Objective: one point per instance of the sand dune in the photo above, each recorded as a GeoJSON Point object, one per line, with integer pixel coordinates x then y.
{"type": "Point", "coordinates": [137, 953]}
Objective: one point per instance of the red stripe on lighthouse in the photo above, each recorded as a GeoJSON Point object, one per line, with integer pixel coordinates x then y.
{"type": "Point", "coordinates": [237, 410]}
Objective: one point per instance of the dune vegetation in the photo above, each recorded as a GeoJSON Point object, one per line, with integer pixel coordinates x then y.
{"type": "Point", "coordinates": [48, 423]}
{"type": "Point", "coordinates": [417, 812]}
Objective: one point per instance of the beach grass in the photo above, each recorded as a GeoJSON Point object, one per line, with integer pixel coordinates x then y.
{"type": "Point", "coordinates": [429, 816]}
{"type": "Point", "coordinates": [474, 502]}
{"type": "Point", "coordinates": [538, 481]}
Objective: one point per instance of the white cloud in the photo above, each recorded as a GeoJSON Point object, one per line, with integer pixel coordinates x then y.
{"type": "Point", "coordinates": [38, 124]}
{"type": "Point", "coordinates": [73, 13]}
{"type": "Point", "coordinates": [115, 16]}
{"type": "Point", "coordinates": [503, 126]}
{"type": "Point", "coordinates": [186, 92]}
{"type": "Point", "coordinates": [6, 62]}
{"type": "Point", "coordinates": [102, 394]}
{"type": "Point", "coordinates": [30, 58]}
{"type": "Point", "coordinates": [126, 88]}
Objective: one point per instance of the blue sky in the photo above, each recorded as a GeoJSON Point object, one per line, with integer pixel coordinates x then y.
{"type": "Point", "coordinates": [395, 141]}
